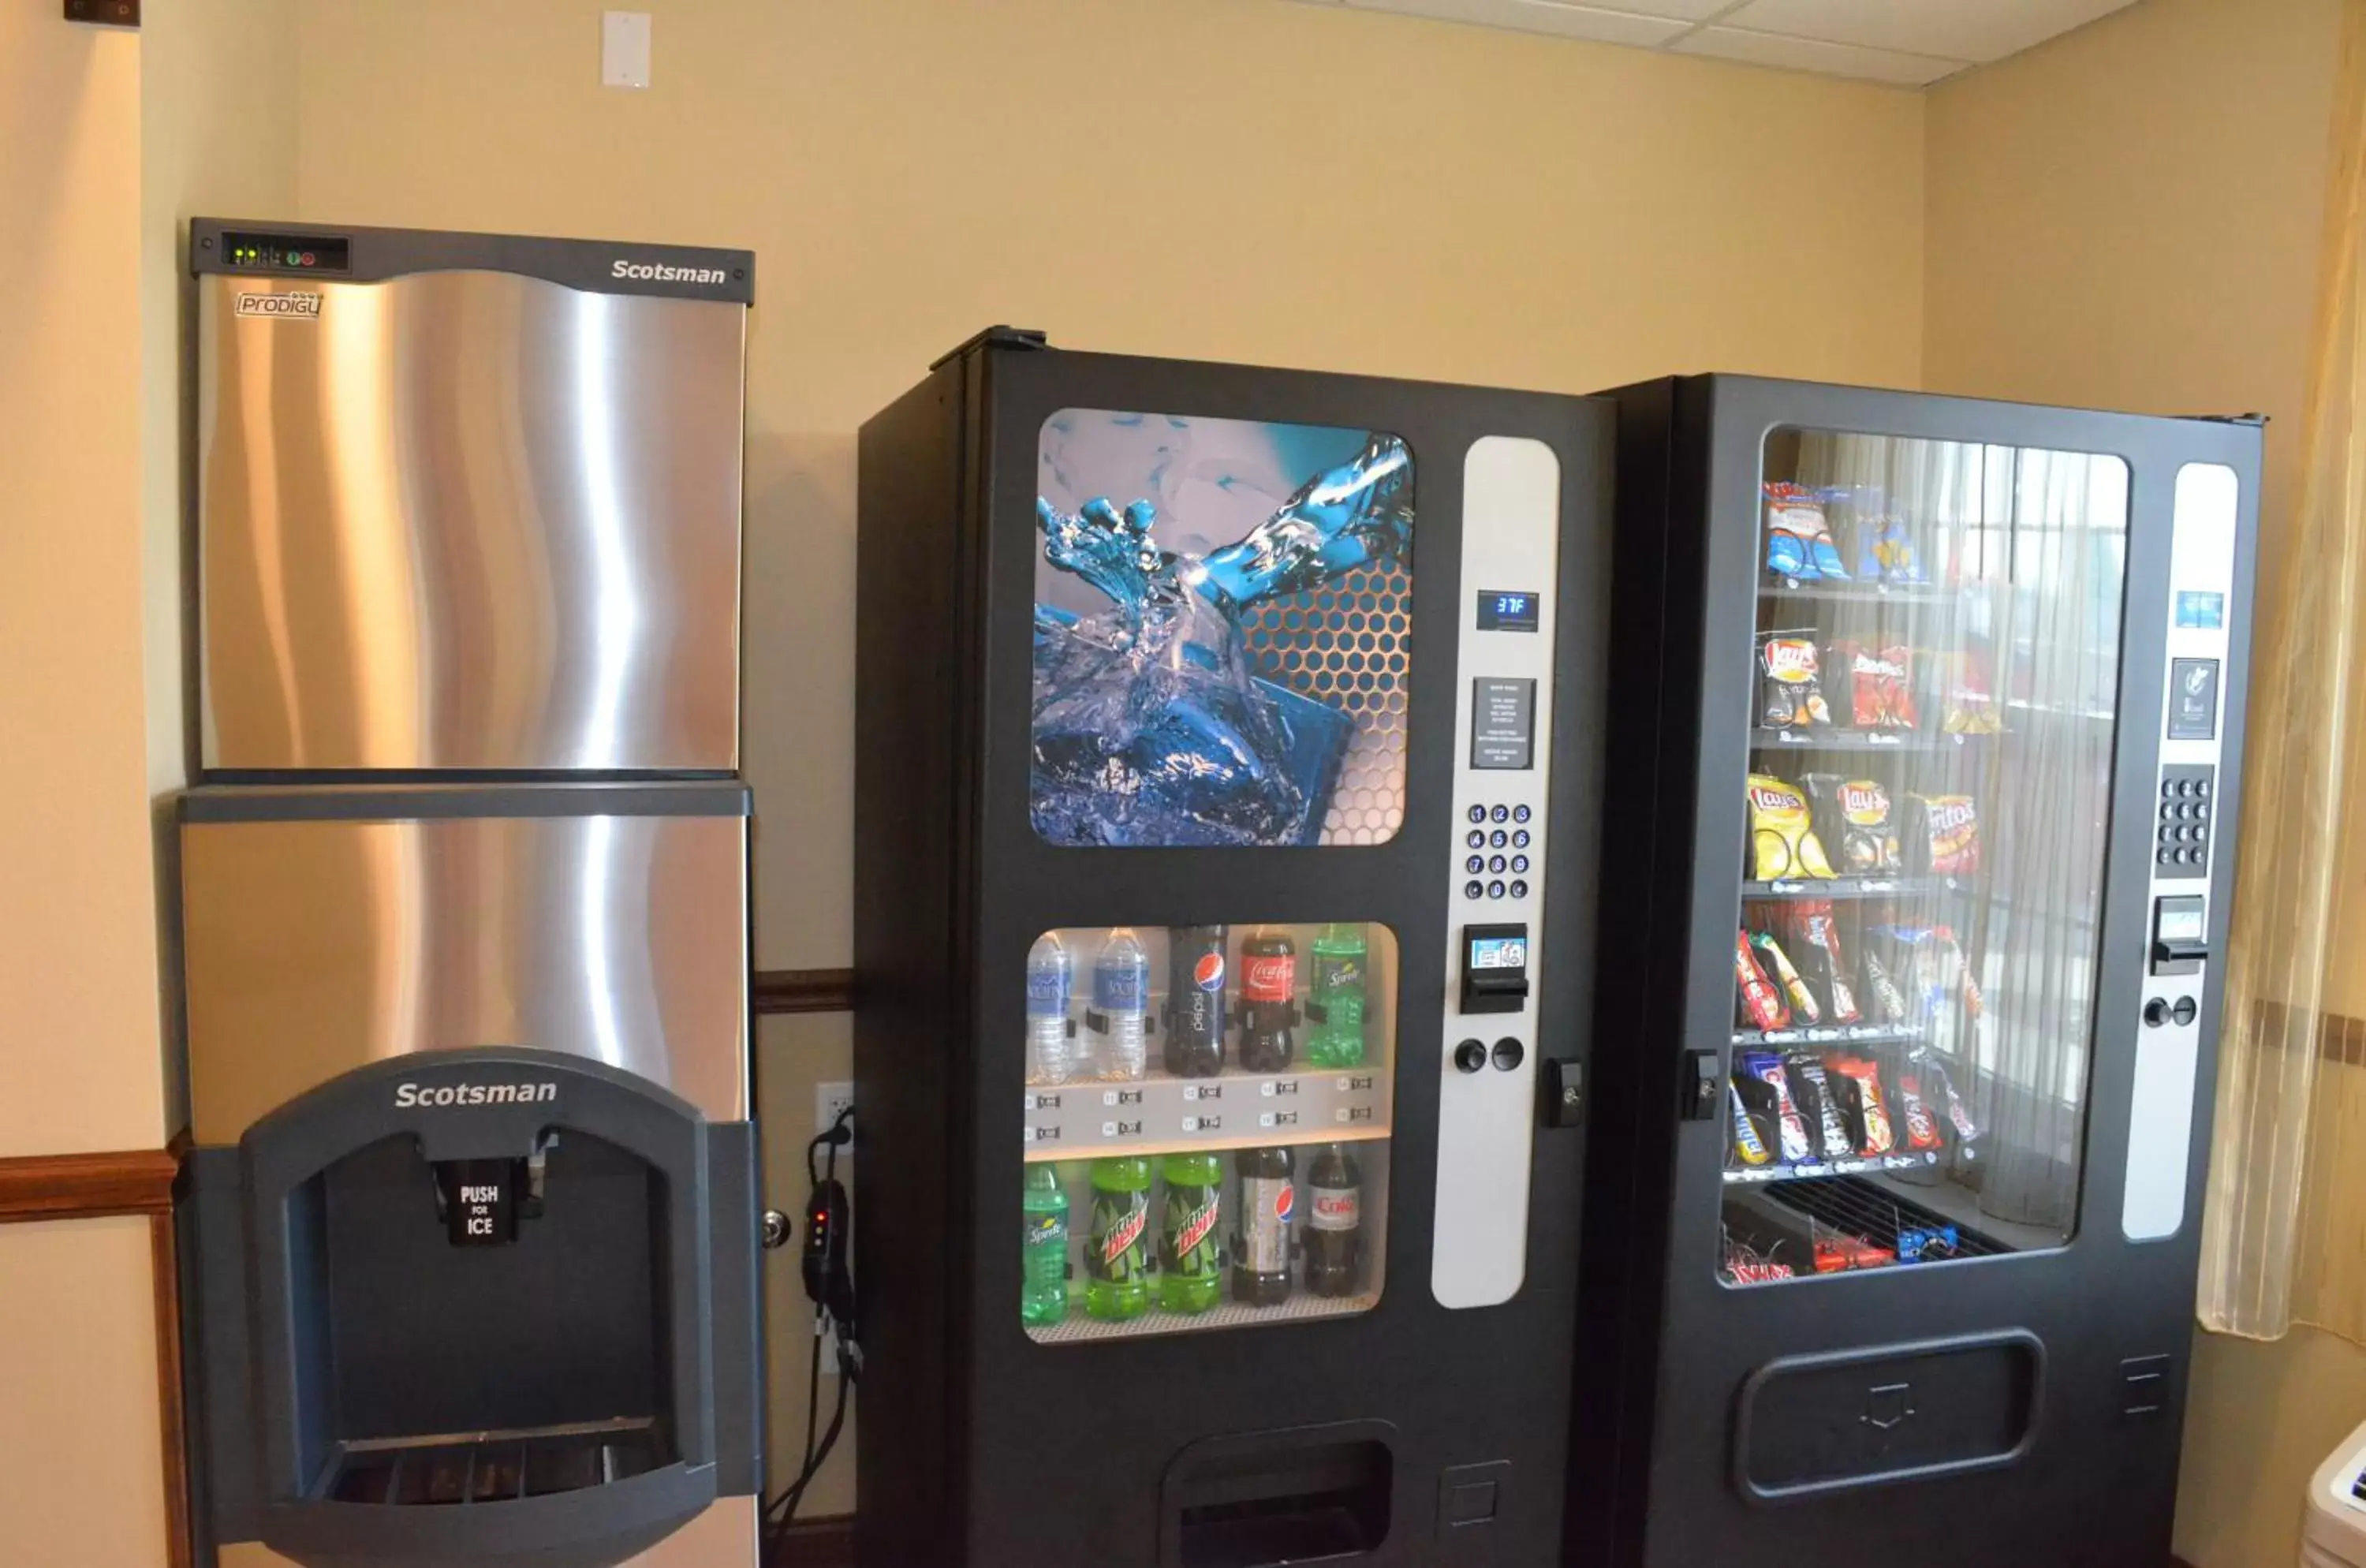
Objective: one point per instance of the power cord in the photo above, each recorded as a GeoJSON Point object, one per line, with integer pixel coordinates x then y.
{"type": "Point", "coordinates": [829, 1285]}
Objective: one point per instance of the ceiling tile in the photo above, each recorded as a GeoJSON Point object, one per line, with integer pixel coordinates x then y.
{"type": "Point", "coordinates": [1978, 30]}
{"type": "Point", "coordinates": [1828, 59]}
{"type": "Point", "coordinates": [1542, 16]}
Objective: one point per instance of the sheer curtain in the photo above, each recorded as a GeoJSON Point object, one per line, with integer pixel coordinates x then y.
{"type": "Point", "coordinates": [2284, 1232]}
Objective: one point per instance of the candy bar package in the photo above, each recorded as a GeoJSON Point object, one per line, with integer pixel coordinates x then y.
{"type": "Point", "coordinates": [1783, 842]}
{"type": "Point", "coordinates": [1966, 698]}
{"type": "Point", "coordinates": [1805, 1010]}
{"type": "Point", "coordinates": [1942, 834]}
{"type": "Point", "coordinates": [1844, 1254]}
{"type": "Point", "coordinates": [1853, 817]}
{"type": "Point", "coordinates": [1791, 1127]}
{"type": "Point", "coordinates": [1747, 1265]}
{"type": "Point", "coordinates": [1921, 1124]}
{"type": "Point", "coordinates": [1814, 938]}
{"type": "Point", "coordinates": [1813, 1090]}
{"type": "Point", "coordinates": [1790, 688]}
{"type": "Point", "coordinates": [1799, 545]}
{"type": "Point", "coordinates": [1859, 1082]}
{"type": "Point", "coordinates": [1760, 999]}
{"type": "Point", "coordinates": [1876, 683]}
{"type": "Point", "coordinates": [1754, 1129]}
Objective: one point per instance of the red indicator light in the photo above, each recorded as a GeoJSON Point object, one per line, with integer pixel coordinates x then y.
{"type": "Point", "coordinates": [308, 258]}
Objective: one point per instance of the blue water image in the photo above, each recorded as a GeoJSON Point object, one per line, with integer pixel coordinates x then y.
{"type": "Point", "coordinates": [1149, 728]}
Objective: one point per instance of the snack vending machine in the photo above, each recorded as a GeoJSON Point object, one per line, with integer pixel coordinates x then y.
{"type": "Point", "coordinates": [1228, 761]}
{"type": "Point", "coordinates": [1927, 723]}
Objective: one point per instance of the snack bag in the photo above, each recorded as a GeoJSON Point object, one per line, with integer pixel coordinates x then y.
{"type": "Point", "coordinates": [1868, 1107]}
{"type": "Point", "coordinates": [1760, 1000]}
{"type": "Point", "coordinates": [1799, 545]}
{"type": "Point", "coordinates": [1782, 838]}
{"type": "Point", "coordinates": [1795, 989]}
{"type": "Point", "coordinates": [1966, 700]}
{"type": "Point", "coordinates": [1816, 938]}
{"type": "Point", "coordinates": [1790, 694]}
{"type": "Point", "coordinates": [1791, 1127]}
{"type": "Point", "coordinates": [1813, 1089]}
{"type": "Point", "coordinates": [1746, 1266]}
{"type": "Point", "coordinates": [1890, 1009]}
{"type": "Point", "coordinates": [1946, 836]}
{"type": "Point", "coordinates": [1941, 1089]}
{"type": "Point", "coordinates": [1753, 1136]}
{"type": "Point", "coordinates": [1881, 548]}
{"type": "Point", "coordinates": [1855, 814]}
{"type": "Point", "coordinates": [1878, 684]}
{"type": "Point", "coordinates": [1841, 1254]}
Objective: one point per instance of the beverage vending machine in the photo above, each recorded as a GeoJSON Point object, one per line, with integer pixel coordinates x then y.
{"type": "Point", "coordinates": [1228, 761]}
{"type": "Point", "coordinates": [1927, 722]}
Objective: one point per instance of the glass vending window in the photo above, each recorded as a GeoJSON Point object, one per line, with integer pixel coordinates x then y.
{"type": "Point", "coordinates": [1933, 691]}
{"type": "Point", "coordinates": [1221, 611]}
{"type": "Point", "coordinates": [1206, 1127]}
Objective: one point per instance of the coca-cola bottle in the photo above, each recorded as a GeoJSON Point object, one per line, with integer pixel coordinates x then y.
{"type": "Point", "coordinates": [1268, 1000]}
{"type": "Point", "coordinates": [1335, 1222]}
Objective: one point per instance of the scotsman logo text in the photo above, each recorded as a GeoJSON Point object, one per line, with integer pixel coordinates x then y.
{"type": "Point", "coordinates": [410, 1094]}
{"type": "Point", "coordinates": [658, 272]}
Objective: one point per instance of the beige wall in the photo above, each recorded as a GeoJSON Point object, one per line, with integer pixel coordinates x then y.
{"type": "Point", "coordinates": [2129, 216]}
{"type": "Point", "coordinates": [1236, 179]}
{"type": "Point", "coordinates": [1224, 179]}
{"type": "Point", "coordinates": [78, 1043]}
{"type": "Point", "coordinates": [81, 1481]}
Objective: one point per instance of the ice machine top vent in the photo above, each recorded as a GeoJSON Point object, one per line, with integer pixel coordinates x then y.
{"type": "Point", "coordinates": [374, 255]}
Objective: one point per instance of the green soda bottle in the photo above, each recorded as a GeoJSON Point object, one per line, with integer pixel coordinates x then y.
{"type": "Point", "coordinates": [1117, 1253]}
{"type": "Point", "coordinates": [1044, 1256]}
{"type": "Point", "coordinates": [1337, 1040]}
{"type": "Point", "coordinates": [1190, 1255]}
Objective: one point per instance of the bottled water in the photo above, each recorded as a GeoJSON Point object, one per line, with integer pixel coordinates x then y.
{"type": "Point", "coordinates": [1051, 976]}
{"type": "Point", "coordinates": [1121, 1006]}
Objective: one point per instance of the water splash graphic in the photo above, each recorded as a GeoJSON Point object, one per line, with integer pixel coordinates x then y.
{"type": "Point", "coordinates": [1149, 728]}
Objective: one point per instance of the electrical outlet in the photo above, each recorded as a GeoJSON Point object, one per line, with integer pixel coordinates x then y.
{"type": "Point", "coordinates": [829, 1098]}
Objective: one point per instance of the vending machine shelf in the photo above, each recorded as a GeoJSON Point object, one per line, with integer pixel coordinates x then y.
{"type": "Point", "coordinates": [1855, 886]}
{"type": "Point", "coordinates": [1160, 1113]}
{"type": "Point", "coordinates": [1745, 1176]}
{"type": "Point", "coordinates": [1821, 738]}
{"type": "Point", "coordinates": [1849, 1034]}
{"type": "Point", "coordinates": [1855, 593]}
{"type": "Point", "coordinates": [1079, 1328]}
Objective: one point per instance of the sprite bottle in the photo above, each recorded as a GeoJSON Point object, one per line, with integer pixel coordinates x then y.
{"type": "Point", "coordinates": [1337, 1000]}
{"type": "Point", "coordinates": [1190, 1256]}
{"type": "Point", "coordinates": [1044, 1256]}
{"type": "Point", "coordinates": [1117, 1253]}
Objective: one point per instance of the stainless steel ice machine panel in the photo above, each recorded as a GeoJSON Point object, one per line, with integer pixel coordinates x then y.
{"type": "Point", "coordinates": [466, 502]}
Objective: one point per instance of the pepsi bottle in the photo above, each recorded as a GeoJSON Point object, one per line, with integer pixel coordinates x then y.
{"type": "Point", "coordinates": [1261, 1235]}
{"type": "Point", "coordinates": [1195, 1001]}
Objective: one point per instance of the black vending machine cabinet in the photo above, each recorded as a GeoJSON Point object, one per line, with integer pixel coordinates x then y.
{"type": "Point", "coordinates": [1927, 716]}
{"type": "Point", "coordinates": [1227, 776]}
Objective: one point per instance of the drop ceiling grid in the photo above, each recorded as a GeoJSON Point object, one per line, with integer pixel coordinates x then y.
{"type": "Point", "coordinates": [1914, 43]}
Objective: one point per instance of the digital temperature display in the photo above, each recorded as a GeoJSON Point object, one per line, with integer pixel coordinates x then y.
{"type": "Point", "coordinates": [1509, 609]}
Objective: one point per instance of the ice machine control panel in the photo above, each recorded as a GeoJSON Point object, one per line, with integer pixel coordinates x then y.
{"type": "Point", "coordinates": [2168, 1027]}
{"type": "Point", "coordinates": [1494, 879]}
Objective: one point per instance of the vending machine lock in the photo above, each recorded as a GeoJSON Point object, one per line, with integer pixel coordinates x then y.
{"type": "Point", "coordinates": [1495, 968]}
{"type": "Point", "coordinates": [1704, 1076]}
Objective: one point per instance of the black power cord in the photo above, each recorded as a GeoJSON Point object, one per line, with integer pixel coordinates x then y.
{"type": "Point", "coordinates": [830, 1284]}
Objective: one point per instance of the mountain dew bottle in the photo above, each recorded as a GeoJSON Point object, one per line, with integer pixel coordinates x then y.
{"type": "Point", "coordinates": [1190, 1255]}
{"type": "Point", "coordinates": [1117, 1253]}
{"type": "Point", "coordinates": [1044, 1257]}
{"type": "Point", "coordinates": [1337, 1040]}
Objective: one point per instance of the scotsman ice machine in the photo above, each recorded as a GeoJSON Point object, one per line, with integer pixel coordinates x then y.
{"type": "Point", "coordinates": [470, 1219]}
